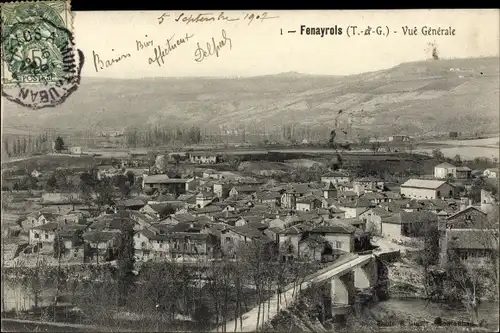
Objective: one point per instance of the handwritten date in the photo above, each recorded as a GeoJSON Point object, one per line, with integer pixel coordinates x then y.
{"type": "Point", "coordinates": [212, 48]}
{"type": "Point", "coordinates": [213, 17]}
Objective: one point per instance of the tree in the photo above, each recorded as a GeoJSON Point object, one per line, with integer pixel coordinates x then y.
{"type": "Point", "coordinates": [465, 283]}
{"type": "Point", "coordinates": [364, 140]}
{"type": "Point", "coordinates": [315, 244]}
{"type": "Point", "coordinates": [77, 238]}
{"type": "Point", "coordinates": [125, 261]}
{"type": "Point", "coordinates": [331, 141]}
{"type": "Point", "coordinates": [470, 283]}
{"type": "Point", "coordinates": [130, 177]}
{"type": "Point", "coordinates": [122, 182]}
{"type": "Point", "coordinates": [161, 162]}
{"type": "Point", "coordinates": [59, 144]}
{"type": "Point", "coordinates": [58, 247]}
{"type": "Point", "coordinates": [375, 146]}
{"type": "Point", "coordinates": [51, 183]}
{"type": "Point", "coordinates": [33, 278]}
{"type": "Point", "coordinates": [438, 155]}
{"type": "Point", "coordinates": [457, 160]}
{"type": "Point", "coordinates": [6, 146]}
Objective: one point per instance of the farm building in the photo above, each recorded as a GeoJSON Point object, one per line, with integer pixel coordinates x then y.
{"type": "Point", "coordinates": [203, 158]}
{"type": "Point", "coordinates": [173, 186]}
{"type": "Point", "coordinates": [443, 170]}
{"type": "Point", "coordinates": [463, 172]}
{"type": "Point", "coordinates": [76, 150]}
{"type": "Point", "coordinates": [491, 173]}
{"type": "Point", "coordinates": [427, 189]}
{"type": "Point", "coordinates": [399, 138]}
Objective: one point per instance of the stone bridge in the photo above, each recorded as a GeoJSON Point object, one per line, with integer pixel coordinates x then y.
{"type": "Point", "coordinates": [343, 278]}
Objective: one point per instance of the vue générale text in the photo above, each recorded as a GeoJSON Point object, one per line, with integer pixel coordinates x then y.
{"type": "Point", "coordinates": [321, 31]}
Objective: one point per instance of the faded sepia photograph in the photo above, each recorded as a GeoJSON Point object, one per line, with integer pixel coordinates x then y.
{"type": "Point", "coordinates": [245, 171]}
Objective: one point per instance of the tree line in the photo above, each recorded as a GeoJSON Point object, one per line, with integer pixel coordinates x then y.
{"type": "Point", "coordinates": [157, 135]}
{"type": "Point", "coordinates": [151, 136]}
{"type": "Point", "coordinates": [211, 295]}
{"type": "Point", "coordinates": [25, 145]}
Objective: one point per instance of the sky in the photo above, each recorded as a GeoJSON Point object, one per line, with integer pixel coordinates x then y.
{"type": "Point", "coordinates": [257, 47]}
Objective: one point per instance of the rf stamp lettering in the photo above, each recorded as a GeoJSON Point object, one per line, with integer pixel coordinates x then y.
{"type": "Point", "coordinates": [323, 31]}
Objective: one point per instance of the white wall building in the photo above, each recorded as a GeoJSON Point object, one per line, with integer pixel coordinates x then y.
{"type": "Point", "coordinates": [443, 170]}
{"type": "Point", "coordinates": [427, 189]}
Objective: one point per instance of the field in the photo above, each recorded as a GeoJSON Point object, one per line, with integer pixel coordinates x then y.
{"type": "Point", "coordinates": [466, 153]}
{"type": "Point", "coordinates": [49, 163]}
{"type": "Point", "coordinates": [493, 142]}
{"type": "Point", "coordinates": [467, 149]}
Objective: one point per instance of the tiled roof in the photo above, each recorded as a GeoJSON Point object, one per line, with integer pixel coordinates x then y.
{"type": "Point", "coordinates": [339, 228]}
{"type": "Point", "coordinates": [308, 200]}
{"type": "Point", "coordinates": [473, 238]}
{"type": "Point", "coordinates": [411, 217]}
{"type": "Point", "coordinates": [296, 229]}
{"type": "Point", "coordinates": [246, 189]}
{"type": "Point", "coordinates": [184, 217]}
{"type": "Point", "coordinates": [186, 197]}
{"type": "Point", "coordinates": [163, 179]}
{"type": "Point", "coordinates": [47, 226]}
{"type": "Point", "coordinates": [347, 194]}
{"type": "Point", "coordinates": [423, 183]}
{"type": "Point", "coordinates": [189, 235]}
{"type": "Point", "coordinates": [467, 209]}
{"type": "Point", "coordinates": [165, 197]}
{"type": "Point", "coordinates": [208, 209]}
{"type": "Point", "coordinates": [445, 165]}
{"type": "Point", "coordinates": [185, 227]}
{"type": "Point", "coordinates": [147, 233]}
{"type": "Point", "coordinates": [100, 236]}
{"type": "Point", "coordinates": [131, 203]}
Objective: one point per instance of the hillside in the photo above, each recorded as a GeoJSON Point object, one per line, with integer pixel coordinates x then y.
{"type": "Point", "coordinates": [428, 96]}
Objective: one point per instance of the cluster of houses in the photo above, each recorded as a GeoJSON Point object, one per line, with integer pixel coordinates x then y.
{"type": "Point", "coordinates": [204, 218]}
{"type": "Point", "coordinates": [449, 171]}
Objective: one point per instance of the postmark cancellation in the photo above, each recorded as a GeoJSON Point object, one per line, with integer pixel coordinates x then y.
{"type": "Point", "coordinates": [40, 64]}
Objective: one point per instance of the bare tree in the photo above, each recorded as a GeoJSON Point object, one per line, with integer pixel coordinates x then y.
{"type": "Point", "coordinates": [471, 282]}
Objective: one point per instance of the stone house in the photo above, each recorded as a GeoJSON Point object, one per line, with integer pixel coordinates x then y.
{"type": "Point", "coordinates": [243, 190]}
{"type": "Point", "coordinates": [463, 173]}
{"type": "Point", "coordinates": [101, 244]}
{"type": "Point", "coordinates": [468, 218]}
{"type": "Point", "coordinates": [373, 218]}
{"type": "Point", "coordinates": [408, 224]}
{"type": "Point", "coordinates": [165, 184]}
{"type": "Point", "coordinates": [221, 190]}
{"type": "Point", "coordinates": [307, 204]}
{"type": "Point", "coordinates": [367, 184]}
{"type": "Point", "coordinates": [43, 236]}
{"type": "Point", "coordinates": [203, 158]}
{"type": "Point", "coordinates": [335, 178]}
{"type": "Point", "coordinates": [474, 247]}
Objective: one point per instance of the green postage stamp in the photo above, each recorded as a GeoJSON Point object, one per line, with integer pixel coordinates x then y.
{"type": "Point", "coordinates": [40, 64]}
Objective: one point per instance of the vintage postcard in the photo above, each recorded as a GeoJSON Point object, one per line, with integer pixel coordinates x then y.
{"type": "Point", "coordinates": [238, 171]}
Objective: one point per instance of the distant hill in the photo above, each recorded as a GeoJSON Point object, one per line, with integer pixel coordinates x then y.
{"type": "Point", "coordinates": [419, 97]}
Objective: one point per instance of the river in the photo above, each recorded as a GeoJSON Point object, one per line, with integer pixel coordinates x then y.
{"type": "Point", "coordinates": [14, 297]}
{"type": "Point", "coordinates": [419, 309]}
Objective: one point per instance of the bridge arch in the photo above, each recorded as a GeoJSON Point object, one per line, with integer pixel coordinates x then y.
{"type": "Point", "coordinates": [365, 276]}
